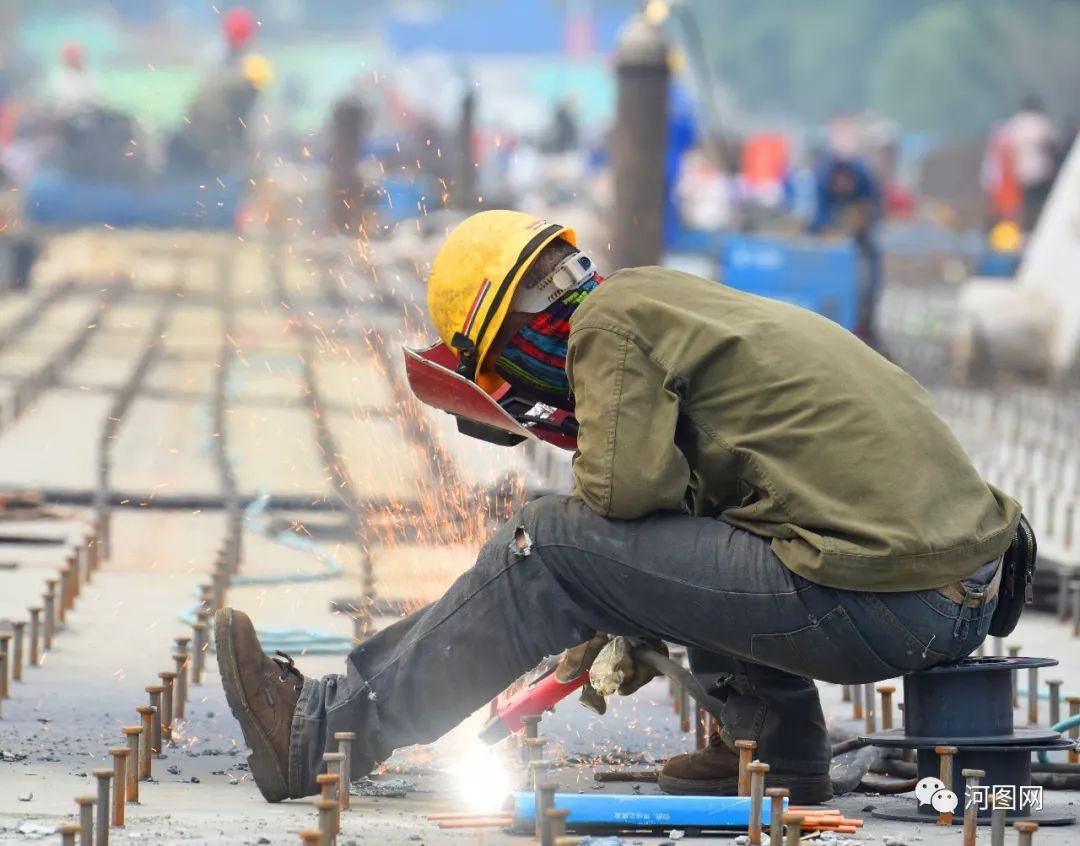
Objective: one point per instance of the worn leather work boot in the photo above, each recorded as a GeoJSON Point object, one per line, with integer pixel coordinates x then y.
{"type": "Point", "coordinates": [714, 771]}
{"type": "Point", "coordinates": [262, 692]}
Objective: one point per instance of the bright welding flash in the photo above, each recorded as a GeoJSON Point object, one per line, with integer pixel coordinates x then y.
{"type": "Point", "coordinates": [481, 777]}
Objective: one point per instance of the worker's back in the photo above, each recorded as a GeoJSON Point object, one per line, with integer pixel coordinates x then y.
{"type": "Point", "coordinates": [1034, 143]}
{"type": "Point", "coordinates": [790, 426]}
{"type": "Point", "coordinates": [218, 116]}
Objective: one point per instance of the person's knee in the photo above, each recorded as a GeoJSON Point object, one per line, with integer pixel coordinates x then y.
{"type": "Point", "coordinates": [516, 537]}
{"type": "Point", "coordinates": [548, 519]}
{"type": "Point", "coordinates": [546, 524]}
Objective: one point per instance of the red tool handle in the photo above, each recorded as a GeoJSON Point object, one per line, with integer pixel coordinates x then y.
{"type": "Point", "coordinates": [530, 702]}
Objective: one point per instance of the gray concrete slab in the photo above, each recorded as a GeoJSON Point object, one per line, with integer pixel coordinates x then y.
{"type": "Point", "coordinates": [166, 446]}
{"type": "Point", "coordinates": [106, 362]}
{"type": "Point", "coordinates": [274, 450]}
{"type": "Point", "coordinates": [187, 375]}
{"type": "Point", "coordinates": [268, 375]}
{"type": "Point", "coordinates": [53, 444]}
{"type": "Point", "coordinates": [353, 378]}
{"type": "Point", "coordinates": [12, 307]}
{"type": "Point", "coordinates": [66, 713]}
{"type": "Point", "coordinates": [46, 337]}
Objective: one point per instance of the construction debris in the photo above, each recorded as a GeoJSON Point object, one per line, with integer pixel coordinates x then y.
{"type": "Point", "coordinates": [381, 787]}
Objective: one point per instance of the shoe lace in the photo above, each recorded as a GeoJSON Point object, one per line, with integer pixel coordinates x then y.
{"type": "Point", "coordinates": [287, 665]}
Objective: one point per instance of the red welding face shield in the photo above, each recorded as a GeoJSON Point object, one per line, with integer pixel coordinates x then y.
{"type": "Point", "coordinates": [501, 418]}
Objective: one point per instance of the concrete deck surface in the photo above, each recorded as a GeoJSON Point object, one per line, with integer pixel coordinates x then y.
{"type": "Point", "coordinates": [63, 716]}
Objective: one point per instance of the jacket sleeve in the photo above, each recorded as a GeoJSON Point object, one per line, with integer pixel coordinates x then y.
{"type": "Point", "coordinates": [627, 464]}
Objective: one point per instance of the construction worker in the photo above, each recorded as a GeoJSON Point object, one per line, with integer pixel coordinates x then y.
{"type": "Point", "coordinates": [213, 139]}
{"type": "Point", "coordinates": [238, 27]}
{"type": "Point", "coordinates": [72, 90]}
{"type": "Point", "coordinates": [849, 202]}
{"type": "Point", "coordinates": [750, 480]}
{"type": "Point", "coordinates": [1036, 149]}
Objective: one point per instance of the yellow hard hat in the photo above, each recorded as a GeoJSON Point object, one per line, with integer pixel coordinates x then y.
{"type": "Point", "coordinates": [1005, 237]}
{"type": "Point", "coordinates": [257, 70]}
{"type": "Point", "coordinates": [474, 277]}
{"type": "Point", "coordinates": [657, 11]}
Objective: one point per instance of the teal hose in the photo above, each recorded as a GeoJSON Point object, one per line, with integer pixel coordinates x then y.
{"type": "Point", "coordinates": [1063, 726]}
{"type": "Point", "coordinates": [301, 641]}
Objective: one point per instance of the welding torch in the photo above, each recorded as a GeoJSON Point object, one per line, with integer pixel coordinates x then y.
{"type": "Point", "coordinates": [546, 691]}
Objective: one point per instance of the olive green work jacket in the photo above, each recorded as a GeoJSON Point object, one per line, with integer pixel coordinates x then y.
{"type": "Point", "coordinates": [692, 396]}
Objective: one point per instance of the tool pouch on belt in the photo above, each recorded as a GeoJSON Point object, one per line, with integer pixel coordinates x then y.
{"type": "Point", "coordinates": [1017, 581]}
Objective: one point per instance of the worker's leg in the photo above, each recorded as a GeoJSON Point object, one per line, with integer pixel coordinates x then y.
{"type": "Point", "coordinates": [870, 295]}
{"type": "Point", "coordinates": [556, 574]}
{"type": "Point", "coordinates": [1035, 197]}
{"type": "Point", "coordinates": [779, 710]}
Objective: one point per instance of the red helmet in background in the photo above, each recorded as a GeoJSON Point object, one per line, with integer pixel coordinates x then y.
{"type": "Point", "coordinates": [239, 26]}
{"type": "Point", "coordinates": [72, 54]}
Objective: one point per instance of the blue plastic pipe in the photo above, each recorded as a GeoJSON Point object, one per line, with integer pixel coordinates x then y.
{"type": "Point", "coordinates": [636, 811]}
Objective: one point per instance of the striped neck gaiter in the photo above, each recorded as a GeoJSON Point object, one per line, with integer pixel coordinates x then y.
{"type": "Point", "coordinates": [534, 361]}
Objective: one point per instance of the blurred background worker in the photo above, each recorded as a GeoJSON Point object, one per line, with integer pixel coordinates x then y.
{"type": "Point", "coordinates": [89, 138]}
{"type": "Point", "coordinates": [72, 90]}
{"type": "Point", "coordinates": [238, 26]}
{"type": "Point", "coordinates": [849, 203]}
{"type": "Point", "coordinates": [215, 138]}
{"type": "Point", "coordinates": [563, 135]}
{"type": "Point", "coordinates": [1004, 194]}
{"type": "Point", "coordinates": [1036, 151]}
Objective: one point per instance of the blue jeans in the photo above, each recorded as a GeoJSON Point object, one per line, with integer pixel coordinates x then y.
{"type": "Point", "coordinates": [557, 573]}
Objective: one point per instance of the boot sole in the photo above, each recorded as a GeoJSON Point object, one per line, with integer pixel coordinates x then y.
{"type": "Point", "coordinates": [272, 784]}
{"type": "Point", "coordinates": [805, 789]}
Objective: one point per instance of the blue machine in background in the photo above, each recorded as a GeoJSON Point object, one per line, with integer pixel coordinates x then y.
{"type": "Point", "coordinates": [999, 265]}
{"type": "Point", "coordinates": [54, 198]}
{"type": "Point", "coordinates": [396, 198]}
{"type": "Point", "coordinates": [819, 275]}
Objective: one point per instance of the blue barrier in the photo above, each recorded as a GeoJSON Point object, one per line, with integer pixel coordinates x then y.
{"type": "Point", "coordinates": [998, 265]}
{"type": "Point", "coordinates": [822, 276]}
{"type": "Point", "coordinates": [395, 198]}
{"type": "Point", "coordinates": [697, 241]}
{"type": "Point", "coordinates": [56, 199]}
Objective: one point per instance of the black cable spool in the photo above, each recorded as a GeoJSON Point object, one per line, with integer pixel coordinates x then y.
{"type": "Point", "coordinates": [968, 704]}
